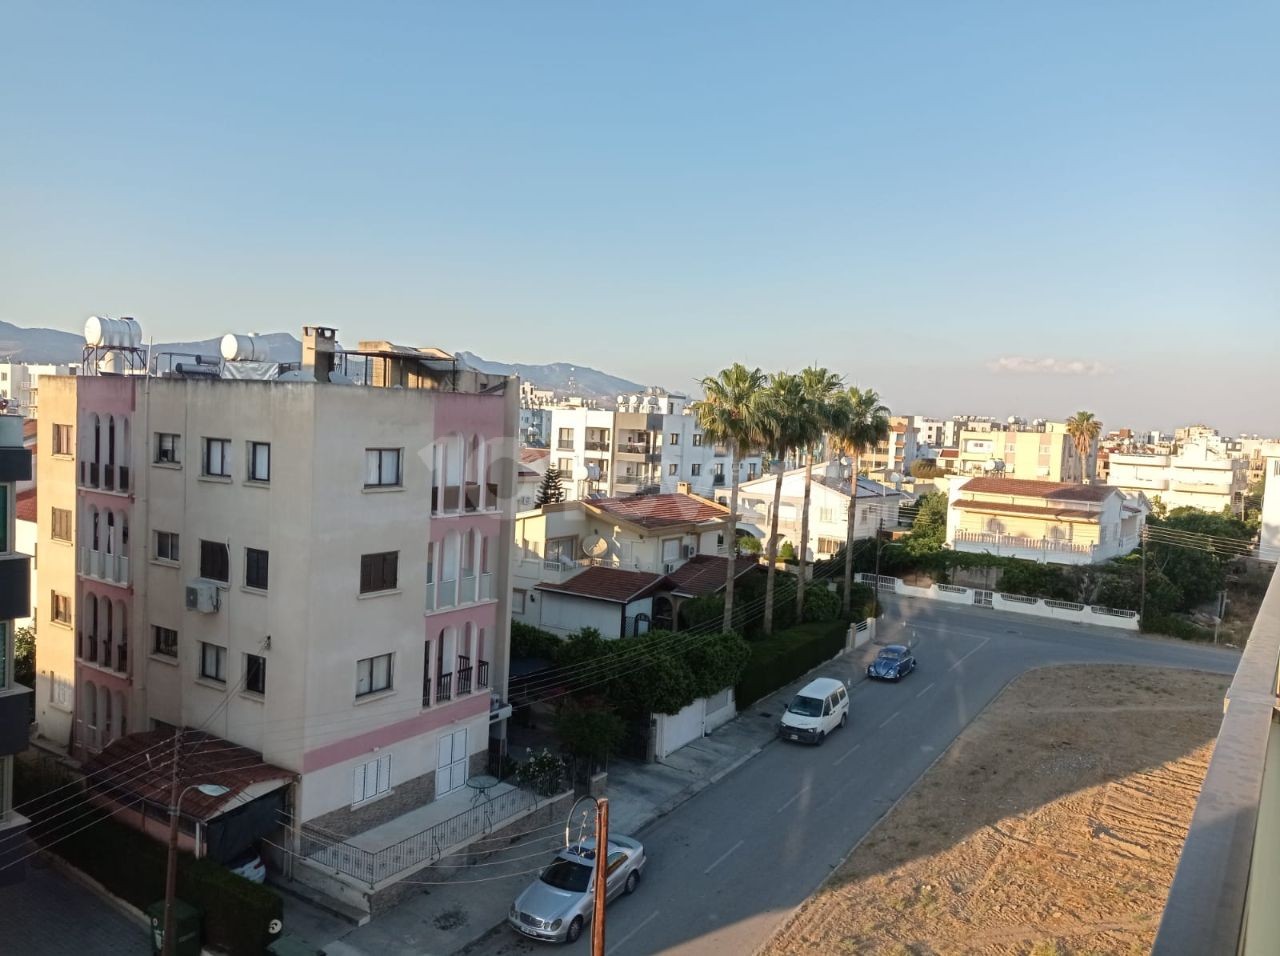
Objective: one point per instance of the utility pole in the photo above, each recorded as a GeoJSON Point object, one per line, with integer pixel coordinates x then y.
{"type": "Point", "coordinates": [1142, 598]}
{"type": "Point", "coordinates": [171, 872]}
{"type": "Point", "coordinates": [602, 874]}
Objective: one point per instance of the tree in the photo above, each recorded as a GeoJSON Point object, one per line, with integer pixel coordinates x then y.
{"type": "Point", "coordinates": [929, 529]}
{"type": "Point", "coordinates": [589, 733]}
{"type": "Point", "coordinates": [924, 468]}
{"type": "Point", "coordinates": [730, 413]}
{"type": "Point", "coordinates": [858, 421]}
{"type": "Point", "coordinates": [1084, 429]}
{"type": "Point", "coordinates": [820, 388]}
{"type": "Point", "coordinates": [785, 427]}
{"type": "Point", "coordinates": [550, 491]}
{"type": "Point", "coordinates": [24, 656]}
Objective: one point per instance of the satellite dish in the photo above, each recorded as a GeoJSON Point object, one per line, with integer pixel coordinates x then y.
{"type": "Point", "coordinates": [595, 546]}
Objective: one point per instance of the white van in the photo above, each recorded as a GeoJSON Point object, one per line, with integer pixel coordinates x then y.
{"type": "Point", "coordinates": [821, 706]}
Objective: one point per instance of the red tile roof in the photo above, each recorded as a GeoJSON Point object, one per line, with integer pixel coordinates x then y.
{"type": "Point", "coordinates": [26, 507]}
{"type": "Point", "coordinates": [138, 766]}
{"type": "Point", "coordinates": [999, 507]}
{"type": "Point", "coordinates": [949, 453]}
{"type": "Point", "coordinates": [608, 584]}
{"type": "Point", "coordinates": [1049, 490]}
{"type": "Point", "coordinates": [705, 574]}
{"type": "Point", "coordinates": [532, 455]}
{"type": "Point", "coordinates": [660, 511]}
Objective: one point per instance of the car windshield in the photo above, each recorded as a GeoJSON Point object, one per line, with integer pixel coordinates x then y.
{"type": "Point", "coordinates": [891, 655]}
{"type": "Point", "coordinates": [567, 875]}
{"type": "Point", "coordinates": [806, 707]}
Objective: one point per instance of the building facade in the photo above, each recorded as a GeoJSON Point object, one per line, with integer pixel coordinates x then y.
{"type": "Point", "coordinates": [20, 385]}
{"type": "Point", "coordinates": [1196, 477]}
{"type": "Point", "coordinates": [1042, 451]}
{"type": "Point", "coordinates": [314, 570]}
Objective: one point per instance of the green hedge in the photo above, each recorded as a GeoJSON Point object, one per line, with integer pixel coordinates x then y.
{"type": "Point", "coordinates": [1172, 626]}
{"type": "Point", "coordinates": [780, 659]}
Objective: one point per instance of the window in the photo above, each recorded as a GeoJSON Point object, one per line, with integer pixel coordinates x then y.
{"type": "Point", "coordinates": [62, 440]}
{"type": "Point", "coordinates": [673, 469]}
{"type": "Point", "coordinates": [167, 448]}
{"type": "Point", "coordinates": [166, 641]}
{"type": "Point", "coordinates": [565, 467]}
{"type": "Point", "coordinates": [673, 438]}
{"type": "Point", "coordinates": [378, 571]}
{"type": "Point", "coordinates": [829, 545]}
{"type": "Point", "coordinates": [382, 467]}
{"type": "Point", "coordinates": [255, 674]}
{"type": "Point", "coordinates": [372, 779]}
{"type": "Point", "coordinates": [565, 438]}
{"type": "Point", "coordinates": [373, 674]}
{"type": "Point", "coordinates": [827, 514]}
{"type": "Point", "coordinates": [215, 561]}
{"type": "Point", "coordinates": [61, 606]}
{"type": "Point", "coordinates": [61, 524]}
{"type": "Point", "coordinates": [217, 457]}
{"type": "Point", "coordinates": [255, 569]}
{"type": "Point", "coordinates": [719, 469]}
{"type": "Point", "coordinates": [517, 601]}
{"type": "Point", "coordinates": [166, 546]}
{"type": "Point", "coordinates": [695, 469]}
{"type": "Point", "coordinates": [213, 662]}
{"type": "Point", "coordinates": [259, 461]}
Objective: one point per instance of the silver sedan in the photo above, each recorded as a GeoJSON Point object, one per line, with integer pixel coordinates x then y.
{"type": "Point", "coordinates": [558, 904]}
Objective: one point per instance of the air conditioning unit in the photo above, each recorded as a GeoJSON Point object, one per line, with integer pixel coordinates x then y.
{"type": "Point", "coordinates": [688, 550]}
{"type": "Point", "coordinates": [668, 567]}
{"type": "Point", "coordinates": [203, 596]}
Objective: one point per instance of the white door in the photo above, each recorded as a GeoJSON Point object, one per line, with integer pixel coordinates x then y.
{"type": "Point", "coordinates": [451, 762]}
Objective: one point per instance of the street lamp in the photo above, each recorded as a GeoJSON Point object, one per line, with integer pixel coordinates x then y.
{"type": "Point", "coordinates": [171, 873]}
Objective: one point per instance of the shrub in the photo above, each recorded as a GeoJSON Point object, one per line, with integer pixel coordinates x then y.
{"type": "Point", "coordinates": [787, 552]}
{"type": "Point", "coordinates": [589, 733]}
{"type": "Point", "coordinates": [530, 641]}
{"type": "Point", "coordinates": [1173, 626]}
{"type": "Point", "coordinates": [820, 604]}
{"type": "Point", "coordinates": [542, 773]}
{"type": "Point", "coordinates": [749, 544]}
{"type": "Point", "coordinates": [780, 659]}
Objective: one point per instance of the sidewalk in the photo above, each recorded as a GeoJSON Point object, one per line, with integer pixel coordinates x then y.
{"type": "Point", "coordinates": [470, 914]}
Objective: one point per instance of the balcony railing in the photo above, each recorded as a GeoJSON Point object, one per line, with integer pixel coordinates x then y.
{"type": "Point", "coordinates": [597, 445]}
{"type": "Point", "coordinates": [482, 674]}
{"type": "Point", "coordinates": [124, 477]}
{"type": "Point", "coordinates": [717, 479]}
{"type": "Point", "coordinates": [486, 586]}
{"type": "Point", "coordinates": [632, 448]}
{"type": "Point", "coordinates": [444, 687]}
{"type": "Point", "coordinates": [104, 566]}
{"type": "Point", "coordinates": [122, 658]}
{"type": "Point", "coordinates": [464, 675]}
{"type": "Point", "coordinates": [564, 445]}
{"type": "Point", "coordinates": [89, 474]}
{"type": "Point", "coordinates": [467, 588]}
{"type": "Point", "coordinates": [109, 477]}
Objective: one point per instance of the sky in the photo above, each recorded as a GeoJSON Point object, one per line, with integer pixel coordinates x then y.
{"type": "Point", "coordinates": [987, 208]}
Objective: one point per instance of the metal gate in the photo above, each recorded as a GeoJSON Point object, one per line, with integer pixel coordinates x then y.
{"type": "Point", "coordinates": [982, 598]}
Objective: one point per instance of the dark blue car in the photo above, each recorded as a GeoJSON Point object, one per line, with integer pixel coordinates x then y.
{"type": "Point", "coordinates": [892, 663]}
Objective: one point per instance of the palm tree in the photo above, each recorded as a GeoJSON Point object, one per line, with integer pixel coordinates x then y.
{"type": "Point", "coordinates": [730, 413]}
{"type": "Point", "coordinates": [859, 422]}
{"type": "Point", "coordinates": [784, 429]}
{"type": "Point", "coordinates": [820, 387]}
{"type": "Point", "coordinates": [1084, 430]}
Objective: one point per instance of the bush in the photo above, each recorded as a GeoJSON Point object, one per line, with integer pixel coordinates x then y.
{"type": "Point", "coordinates": [543, 773]}
{"type": "Point", "coordinates": [589, 733]}
{"type": "Point", "coordinates": [530, 641]}
{"type": "Point", "coordinates": [820, 604]}
{"type": "Point", "coordinates": [780, 659]}
{"type": "Point", "coordinates": [1171, 625]}
{"type": "Point", "coordinates": [749, 544]}
{"type": "Point", "coordinates": [787, 552]}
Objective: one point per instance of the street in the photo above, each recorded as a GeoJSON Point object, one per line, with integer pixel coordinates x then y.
{"type": "Point", "coordinates": [729, 865]}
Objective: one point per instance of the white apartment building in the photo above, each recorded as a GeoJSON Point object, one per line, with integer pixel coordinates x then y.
{"type": "Point", "coordinates": [1196, 477]}
{"type": "Point", "coordinates": [1270, 542]}
{"type": "Point", "coordinates": [20, 385]}
{"type": "Point", "coordinates": [314, 570]}
{"type": "Point", "coordinates": [929, 431]}
{"type": "Point", "coordinates": [647, 443]}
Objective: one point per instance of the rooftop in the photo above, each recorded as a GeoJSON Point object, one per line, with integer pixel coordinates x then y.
{"type": "Point", "coordinates": [26, 510]}
{"type": "Point", "coordinates": [608, 584]}
{"type": "Point", "coordinates": [705, 574]}
{"type": "Point", "coordinates": [660, 511]}
{"type": "Point", "coordinates": [1029, 488]}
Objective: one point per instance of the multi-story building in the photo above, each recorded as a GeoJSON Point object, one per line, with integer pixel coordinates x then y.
{"type": "Point", "coordinates": [1196, 477]}
{"type": "Point", "coordinates": [1041, 451]}
{"type": "Point", "coordinates": [647, 443]}
{"type": "Point", "coordinates": [20, 385]}
{"type": "Point", "coordinates": [894, 455]}
{"type": "Point", "coordinates": [15, 597]}
{"type": "Point", "coordinates": [952, 428]}
{"type": "Point", "coordinates": [929, 431]}
{"type": "Point", "coordinates": [312, 569]}
{"type": "Point", "coordinates": [1256, 451]}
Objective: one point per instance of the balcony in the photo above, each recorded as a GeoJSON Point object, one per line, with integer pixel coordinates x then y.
{"type": "Point", "coordinates": [464, 675]}
{"type": "Point", "coordinates": [1201, 487]}
{"type": "Point", "coordinates": [89, 474]}
{"type": "Point", "coordinates": [444, 688]}
{"type": "Point", "coordinates": [482, 674]}
{"type": "Point", "coordinates": [637, 451]}
{"type": "Point", "coordinates": [104, 566]}
{"type": "Point", "coordinates": [717, 479]}
{"type": "Point", "coordinates": [597, 445]}
{"type": "Point", "coordinates": [720, 451]}
{"type": "Point", "coordinates": [564, 445]}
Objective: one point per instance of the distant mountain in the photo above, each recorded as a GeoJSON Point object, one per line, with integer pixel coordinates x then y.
{"type": "Point", "coordinates": [560, 376]}
{"type": "Point", "coordinates": [50, 345]}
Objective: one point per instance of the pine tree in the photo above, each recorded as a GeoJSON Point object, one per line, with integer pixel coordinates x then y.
{"type": "Point", "coordinates": [550, 491]}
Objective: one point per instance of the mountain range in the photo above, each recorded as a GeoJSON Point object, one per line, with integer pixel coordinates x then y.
{"type": "Point", "coordinates": [18, 344]}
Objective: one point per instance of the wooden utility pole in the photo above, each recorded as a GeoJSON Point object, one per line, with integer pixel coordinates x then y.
{"type": "Point", "coordinates": [602, 875]}
{"type": "Point", "coordinates": [1142, 599]}
{"type": "Point", "coordinates": [171, 871]}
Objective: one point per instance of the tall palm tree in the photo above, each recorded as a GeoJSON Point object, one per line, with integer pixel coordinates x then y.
{"type": "Point", "coordinates": [731, 413]}
{"type": "Point", "coordinates": [820, 388]}
{"type": "Point", "coordinates": [859, 422]}
{"type": "Point", "coordinates": [1084, 430]}
{"type": "Point", "coordinates": [784, 430]}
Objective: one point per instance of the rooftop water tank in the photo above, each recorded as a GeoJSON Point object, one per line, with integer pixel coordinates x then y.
{"type": "Point", "coordinates": [243, 348]}
{"type": "Point", "coordinates": [103, 332]}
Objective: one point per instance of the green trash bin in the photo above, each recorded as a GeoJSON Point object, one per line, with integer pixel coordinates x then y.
{"type": "Point", "coordinates": [293, 946]}
{"type": "Point", "coordinates": [186, 928]}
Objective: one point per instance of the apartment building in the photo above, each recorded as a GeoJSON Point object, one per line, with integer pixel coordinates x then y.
{"type": "Point", "coordinates": [952, 428]}
{"type": "Point", "coordinates": [1197, 476]}
{"type": "Point", "coordinates": [894, 455]}
{"type": "Point", "coordinates": [929, 431]}
{"type": "Point", "coordinates": [1040, 451]}
{"type": "Point", "coordinates": [308, 568]}
{"type": "Point", "coordinates": [647, 443]}
{"type": "Point", "coordinates": [20, 385]}
{"type": "Point", "coordinates": [15, 597]}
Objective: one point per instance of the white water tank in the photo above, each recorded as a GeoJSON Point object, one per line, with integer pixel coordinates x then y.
{"type": "Point", "coordinates": [110, 364]}
{"type": "Point", "coordinates": [243, 348]}
{"type": "Point", "coordinates": [103, 332]}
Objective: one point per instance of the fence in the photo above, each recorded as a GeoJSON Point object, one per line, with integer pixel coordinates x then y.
{"type": "Point", "coordinates": [424, 847]}
{"type": "Point", "coordinates": [1018, 603]}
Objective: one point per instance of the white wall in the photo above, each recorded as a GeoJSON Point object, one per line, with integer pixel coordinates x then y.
{"type": "Point", "coordinates": [1270, 547]}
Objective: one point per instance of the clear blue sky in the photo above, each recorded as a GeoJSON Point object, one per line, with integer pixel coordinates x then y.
{"type": "Point", "coordinates": [908, 193]}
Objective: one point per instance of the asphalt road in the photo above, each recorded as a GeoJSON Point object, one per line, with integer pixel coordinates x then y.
{"type": "Point", "coordinates": [728, 866]}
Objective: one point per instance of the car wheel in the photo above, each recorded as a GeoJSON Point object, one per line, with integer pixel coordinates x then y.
{"type": "Point", "coordinates": [844, 719]}
{"type": "Point", "coordinates": [633, 880]}
{"type": "Point", "coordinates": [574, 931]}
{"type": "Point", "coordinates": [822, 735]}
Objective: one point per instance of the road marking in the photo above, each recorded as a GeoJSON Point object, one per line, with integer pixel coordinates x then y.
{"type": "Point", "coordinates": [890, 719]}
{"type": "Point", "coordinates": [643, 923]}
{"type": "Point", "coordinates": [974, 651]}
{"type": "Point", "coordinates": [793, 799]}
{"type": "Point", "coordinates": [847, 753]}
{"type": "Point", "coordinates": [724, 857]}
{"type": "Point", "coordinates": [925, 691]}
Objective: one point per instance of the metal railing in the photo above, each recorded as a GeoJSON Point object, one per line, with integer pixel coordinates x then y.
{"type": "Point", "coordinates": [482, 674]}
{"type": "Point", "coordinates": [464, 680]}
{"type": "Point", "coordinates": [413, 852]}
{"type": "Point", "coordinates": [596, 445]}
{"type": "Point", "coordinates": [104, 566]}
{"type": "Point", "coordinates": [444, 687]}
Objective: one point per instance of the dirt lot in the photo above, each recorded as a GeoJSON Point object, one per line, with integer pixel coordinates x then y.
{"type": "Point", "coordinates": [1051, 826]}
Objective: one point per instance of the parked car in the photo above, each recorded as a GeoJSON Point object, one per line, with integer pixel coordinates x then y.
{"type": "Point", "coordinates": [249, 865]}
{"type": "Point", "coordinates": [821, 706]}
{"type": "Point", "coordinates": [892, 663]}
{"type": "Point", "coordinates": [558, 904]}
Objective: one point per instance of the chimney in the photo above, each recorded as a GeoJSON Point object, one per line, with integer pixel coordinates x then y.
{"type": "Point", "coordinates": [318, 347]}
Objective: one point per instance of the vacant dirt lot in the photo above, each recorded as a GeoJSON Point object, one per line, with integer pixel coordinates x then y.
{"type": "Point", "coordinates": [1051, 826]}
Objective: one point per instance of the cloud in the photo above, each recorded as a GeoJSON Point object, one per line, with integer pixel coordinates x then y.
{"type": "Point", "coordinates": [1021, 364]}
